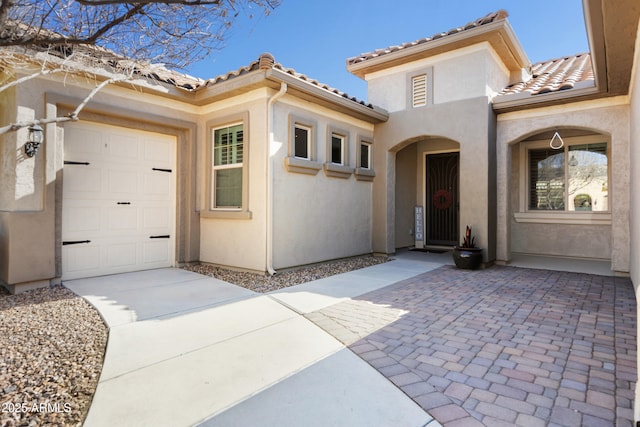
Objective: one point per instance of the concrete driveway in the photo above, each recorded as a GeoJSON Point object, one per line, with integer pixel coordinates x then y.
{"type": "Point", "coordinates": [185, 349]}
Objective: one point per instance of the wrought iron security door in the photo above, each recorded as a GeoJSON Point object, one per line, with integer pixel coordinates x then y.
{"type": "Point", "coordinates": [442, 207]}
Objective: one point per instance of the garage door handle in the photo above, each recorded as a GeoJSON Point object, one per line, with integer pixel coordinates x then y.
{"type": "Point", "coordinates": [161, 236]}
{"type": "Point", "coordinates": [161, 170]}
{"type": "Point", "coordinates": [75, 242]}
{"type": "Point", "coordinates": [69, 162]}
{"type": "Point", "coordinates": [124, 203]}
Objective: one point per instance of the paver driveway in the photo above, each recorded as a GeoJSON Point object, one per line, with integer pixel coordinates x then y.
{"type": "Point", "coordinates": [501, 346]}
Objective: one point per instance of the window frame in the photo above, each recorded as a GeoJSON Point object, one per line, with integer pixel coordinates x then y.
{"type": "Point", "coordinates": [226, 212]}
{"type": "Point", "coordinates": [365, 173]}
{"type": "Point", "coordinates": [525, 214]}
{"type": "Point", "coordinates": [309, 131]}
{"type": "Point", "coordinates": [344, 168]}
{"type": "Point", "coordinates": [305, 165]}
{"type": "Point", "coordinates": [343, 152]}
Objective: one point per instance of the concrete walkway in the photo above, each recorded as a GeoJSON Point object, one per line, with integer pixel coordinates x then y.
{"type": "Point", "coordinates": [185, 349]}
{"type": "Point", "coordinates": [501, 347]}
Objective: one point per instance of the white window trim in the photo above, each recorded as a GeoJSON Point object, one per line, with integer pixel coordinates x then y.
{"type": "Point", "coordinates": [525, 215]}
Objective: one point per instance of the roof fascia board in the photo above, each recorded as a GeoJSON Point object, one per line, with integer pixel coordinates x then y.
{"type": "Point", "coordinates": [231, 87]}
{"type": "Point", "coordinates": [525, 100]}
{"type": "Point", "coordinates": [360, 69]}
{"type": "Point", "coordinates": [315, 93]}
{"type": "Point", "coordinates": [593, 20]}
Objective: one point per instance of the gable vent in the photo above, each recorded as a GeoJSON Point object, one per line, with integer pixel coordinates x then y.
{"type": "Point", "coordinates": [419, 90]}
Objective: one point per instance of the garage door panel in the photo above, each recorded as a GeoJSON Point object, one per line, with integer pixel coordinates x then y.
{"type": "Point", "coordinates": [155, 251]}
{"type": "Point", "coordinates": [122, 218]}
{"type": "Point", "coordinates": [117, 201]}
{"type": "Point", "coordinates": [155, 219]}
{"type": "Point", "coordinates": [82, 141]}
{"type": "Point", "coordinates": [156, 184]}
{"type": "Point", "coordinates": [121, 255]}
{"type": "Point", "coordinates": [82, 179]}
{"type": "Point", "coordinates": [123, 146]}
{"type": "Point", "coordinates": [158, 150]}
{"type": "Point", "coordinates": [80, 258]}
{"type": "Point", "coordinates": [121, 182]}
{"type": "Point", "coordinates": [81, 219]}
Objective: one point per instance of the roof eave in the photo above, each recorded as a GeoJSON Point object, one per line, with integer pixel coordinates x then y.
{"type": "Point", "coordinates": [499, 34]}
{"type": "Point", "coordinates": [273, 77]}
{"type": "Point", "coordinates": [523, 101]}
{"type": "Point", "coordinates": [326, 98]}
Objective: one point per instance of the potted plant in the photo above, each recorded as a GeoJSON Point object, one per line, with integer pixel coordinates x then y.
{"type": "Point", "coordinates": [467, 255]}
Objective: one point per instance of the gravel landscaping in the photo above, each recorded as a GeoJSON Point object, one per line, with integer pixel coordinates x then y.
{"type": "Point", "coordinates": [52, 345]}
{"type": "Point", "coordinates": [266, 283]}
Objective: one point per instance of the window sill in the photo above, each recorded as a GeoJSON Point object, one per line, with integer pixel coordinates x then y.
{"type": "Point", "coordinates": [226, 214]}
{"type": "Point", "coordinates": [337, 171]}
{"type": "Point", "coordinates": [309, 167]}
{"type": "Point", "coordinates": [364, 174]}
{"type": "Point", "coordinates": [582, 218]}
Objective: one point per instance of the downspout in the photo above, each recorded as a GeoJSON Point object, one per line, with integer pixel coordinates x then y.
{"type": "Point", "coordinates": [266, 63]}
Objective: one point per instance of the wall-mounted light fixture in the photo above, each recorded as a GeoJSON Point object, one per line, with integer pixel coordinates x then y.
{"type": "Point", "coordinates": [34, 140]}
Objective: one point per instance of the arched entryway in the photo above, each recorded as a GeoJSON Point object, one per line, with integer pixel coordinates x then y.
{"type": "Point", "coordinates": [427, 196]}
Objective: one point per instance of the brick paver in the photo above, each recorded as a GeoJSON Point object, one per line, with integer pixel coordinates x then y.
{"type": "Point", "coordinates": [501, 346]}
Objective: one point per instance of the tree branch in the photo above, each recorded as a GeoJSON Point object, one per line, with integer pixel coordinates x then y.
{"type": "Point", "coordinates": [73, 116]}
{"type": "Point", "coordinates": [27, 78]}
{"type": "Point", "coordinates": [90, 39]}
{"type": "Point", "coordinates": [142, 2]}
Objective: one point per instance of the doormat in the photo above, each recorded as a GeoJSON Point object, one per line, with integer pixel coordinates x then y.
{"type": "Point", "coordinates": [430, 251]}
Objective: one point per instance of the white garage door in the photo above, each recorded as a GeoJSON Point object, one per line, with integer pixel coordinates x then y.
{"type": "Point", "coordinates": [118, 208]}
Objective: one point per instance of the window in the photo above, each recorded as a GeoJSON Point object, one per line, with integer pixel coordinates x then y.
{"type": "Point", "coordinates": [573, 178]}
{"type": "Point", "coordinates": [302, 156]}
{"type": "Point", "coordinates": [228, 152]}
{"type": "Point", "coordinates": [365, 155]}
{"type": "Point", "coordinates": [337, 149]}
{"type": "Point", "coordinates": [419, 90]}
{"type": "Point", "coordinates": [302, 143]}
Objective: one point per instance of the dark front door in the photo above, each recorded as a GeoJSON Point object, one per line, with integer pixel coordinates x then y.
{"type": "Point", "coordinates": [441, 213]}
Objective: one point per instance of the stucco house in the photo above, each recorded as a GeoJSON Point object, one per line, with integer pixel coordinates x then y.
{"type": "Point", "coordinates": [264, 168]}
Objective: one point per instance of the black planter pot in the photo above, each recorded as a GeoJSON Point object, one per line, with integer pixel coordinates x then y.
{"type": "Point", "coordinates": [467, 258]}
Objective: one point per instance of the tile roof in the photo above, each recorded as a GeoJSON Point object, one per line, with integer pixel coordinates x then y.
{"type": "Point", "coordinates": [266, 58]}
{"type": "Point", "coordinates": [555, 75]}
{"type": "Point", "coordinates": [488, 19]}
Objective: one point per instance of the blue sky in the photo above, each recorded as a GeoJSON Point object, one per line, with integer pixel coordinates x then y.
{"type": "Point", "coordinates": [315, 37]}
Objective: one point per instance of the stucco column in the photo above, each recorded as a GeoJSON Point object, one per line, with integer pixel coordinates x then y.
{"type": "Point", "coordinates": [383, 215]}
{"type": "Point", "coordinates": [503, 224]}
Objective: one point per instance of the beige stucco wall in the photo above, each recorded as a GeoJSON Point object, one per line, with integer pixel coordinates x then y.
{"type": "Point", "coordinates": [609, 117]}
{"type": "Point", "coordinates": [471, 72]}
{"type": "Point", "coordinates": [238, 242]}
{"type": "Point", "coordinates": [635, 170]}
{"type": "Point", "coordinates": [407, 177]}
{"type": "Point", "coordinates": [318, 217]}
{"type": "Point", "coordinates": [635, 195]}
{"type": "Point", "coordinates": [466, 124]}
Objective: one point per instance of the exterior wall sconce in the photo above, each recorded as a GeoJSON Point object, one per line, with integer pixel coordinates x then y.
{"type": "Point", "coordinates": [34, 140]}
